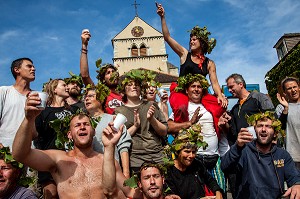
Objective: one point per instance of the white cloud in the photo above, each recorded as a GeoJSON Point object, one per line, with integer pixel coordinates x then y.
{"type": "Point", "coordinates": [8, 35]}
{"type": "Point", "coordinates": [54, 38]}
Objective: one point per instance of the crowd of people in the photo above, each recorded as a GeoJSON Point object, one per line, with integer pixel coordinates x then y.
{"type": "Point", "coordinates": [78, 152]}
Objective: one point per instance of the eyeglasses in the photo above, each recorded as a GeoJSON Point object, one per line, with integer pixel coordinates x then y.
{"type": "Point", "coordinates": [90, 96]}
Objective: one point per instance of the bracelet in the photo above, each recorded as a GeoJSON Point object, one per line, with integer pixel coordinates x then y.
{"type": "Point", "coordinates": [84, 50]}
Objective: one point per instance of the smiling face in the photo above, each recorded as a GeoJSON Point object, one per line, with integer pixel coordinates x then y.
{"type": "Point", "coordinates": [81, 131]}
{"type": "Point", "coordinates": [151, 93]}
{"type": "Point", "coordinates": [62, 90]}
{"type": "Point", "coordinates": [8, 178]}
{"type": "Point", "coordinates": [265, 132]}
{"type": "Point", "coordinates": [151, 183]}
{"type": "Point", "coordinates": [195, 43]}
{"type": "Point", "coordinates": [291, 91]}
{"type": "Point", "coordinates": [195, 92]}
{"type": "Point", "coordinates": [186, 156]}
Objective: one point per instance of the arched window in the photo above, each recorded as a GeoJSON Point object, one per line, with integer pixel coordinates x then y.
{"type": "Point", "coordinates": [134, 51]}
{"type": "Point", "coordinates": [143, 50]}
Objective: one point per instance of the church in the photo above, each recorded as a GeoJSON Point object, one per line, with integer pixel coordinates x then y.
{"type": "Point", "coordinates": [140, 46]}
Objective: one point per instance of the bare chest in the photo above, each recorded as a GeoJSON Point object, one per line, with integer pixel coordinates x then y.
{"type": "Point", "coordinates": [80, 179]}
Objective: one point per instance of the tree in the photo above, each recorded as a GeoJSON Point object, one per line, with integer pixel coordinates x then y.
{"type": "Point", "coordinates": [288, 66]}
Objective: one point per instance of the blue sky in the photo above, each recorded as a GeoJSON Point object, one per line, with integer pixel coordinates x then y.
{"type": "Point", "coordinates": [48, 32]}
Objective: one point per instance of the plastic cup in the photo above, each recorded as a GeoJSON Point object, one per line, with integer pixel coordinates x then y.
{"type": "Point", "coordinates": [161, 92]}
{"type": "Point", "coordinates": [85, 30]}
{"type": "Point", "coordinates": [119, 120]}
{"type": "Point", "coordinates": [44, 97]}
{"type": "Point", "coordinates": [252, 131]}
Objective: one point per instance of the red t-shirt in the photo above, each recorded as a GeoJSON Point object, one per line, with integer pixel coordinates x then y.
{"type": "Point", "coordinates": [113, 101]}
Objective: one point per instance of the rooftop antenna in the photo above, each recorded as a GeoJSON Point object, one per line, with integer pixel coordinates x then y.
{"type": "Point", "coordinates": [135, 7]}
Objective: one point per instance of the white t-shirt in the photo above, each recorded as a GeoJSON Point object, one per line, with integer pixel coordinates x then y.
{"type": "Point", "coordinates": [207, 129]}
{"type": "Point", "coordinates": [12, 113]}
{"type": "Point", "coordinates": [292, 129]}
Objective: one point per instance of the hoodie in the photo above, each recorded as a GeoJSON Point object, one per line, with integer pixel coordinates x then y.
{"type": "Point", "coordinates": [256, 102]}
{"type": "Point", "coordinates": [260, 175]}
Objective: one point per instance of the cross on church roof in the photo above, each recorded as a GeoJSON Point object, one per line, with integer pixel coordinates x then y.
{"type": "Point", "coordinates": [135, 6]}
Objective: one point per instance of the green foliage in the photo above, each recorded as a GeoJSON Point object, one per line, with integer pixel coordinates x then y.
{"type": "Point", "coordinates": [185, 81]}
{"type": "Point", "coordinates": [144, 78]}
{"type": "Point", "coordinates": [131, 182]}
{"type": "Point", "coordinates": [188, 138]}
{"type": "Point", "coordinates": [27, 181]}
{"type": "Point", "coordinates": [102, 70]}
{"type": "Point", "coordinates": [290, 66]}
{"type": "Point", "coordinates": [102, 91]}
{"type": "Point", "coordinates": [203, 33]}
{"type": "Point", "coordinates": [276, 124]}
{"type": "Point", "coordinates": [62, 126]}
{"type": "Point", "coordinates": [24, 180]}
{"type": "Point", "coordinates": [74, 78]}
{"type": "Point", "coordinates": [98, 63]}
{"type": "Point", "coordinates": [7, 157]}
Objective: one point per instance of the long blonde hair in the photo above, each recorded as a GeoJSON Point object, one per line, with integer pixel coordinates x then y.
{"type": "Point", "coordinates": [50, 88]}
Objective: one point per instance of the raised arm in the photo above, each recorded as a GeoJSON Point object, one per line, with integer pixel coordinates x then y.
{"type": "Point", "coordinates": [110, 139]}
{"type": "Point", "coordinates": [84, 67]}
{"type": "Point", "coordinates": [113, 178]}
{"type": "Point", "coordinates": [177, 48]}
{"type": "Point", "coordinates": [21, 150]}
{"type": "Point", "coordinates": [215, 84]}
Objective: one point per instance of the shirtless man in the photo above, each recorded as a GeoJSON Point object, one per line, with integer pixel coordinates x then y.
{"type": "Point", "coordinates": [78, 173]}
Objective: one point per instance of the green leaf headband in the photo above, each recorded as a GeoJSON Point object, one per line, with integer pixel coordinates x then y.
{"type": "Point", "coordinates": [24, 180]}
{"type": "Point", "coordinates": [7, 157]}
{"type": "Point", "coordinates": [185, 81]}
{"type": "Point", "coordinates": [74, 78]}
{"type": "Point", "coordinates": [276, 124]}
{"type": "Point", "coordinates": [102, 70]}
{"type": "Point", "coordinates": [133, 181]}
{"type": "Point", "coordinates": [143, 77]}
{"type": "Point", "coordinates": [62, 127]}
{"type": "Point", "coordinates": [102, 91]}
{"type": "Point", "coordinates": [186, 138]}
{"type": "Point", "coordinates": [203, 33]}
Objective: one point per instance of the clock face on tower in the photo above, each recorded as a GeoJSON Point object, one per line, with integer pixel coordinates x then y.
{"type": "Point", "coordinates": [137, 31]}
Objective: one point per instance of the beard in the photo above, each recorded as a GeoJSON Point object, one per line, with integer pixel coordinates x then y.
{"type": "Point", "coordinates": [111, 85]}
{"type": "Point", "coordinates": [74, 93]}
{"type": "Point", "coordinates": [150, 194]}
{"type": "Point", "coordinates": [267, 142]}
